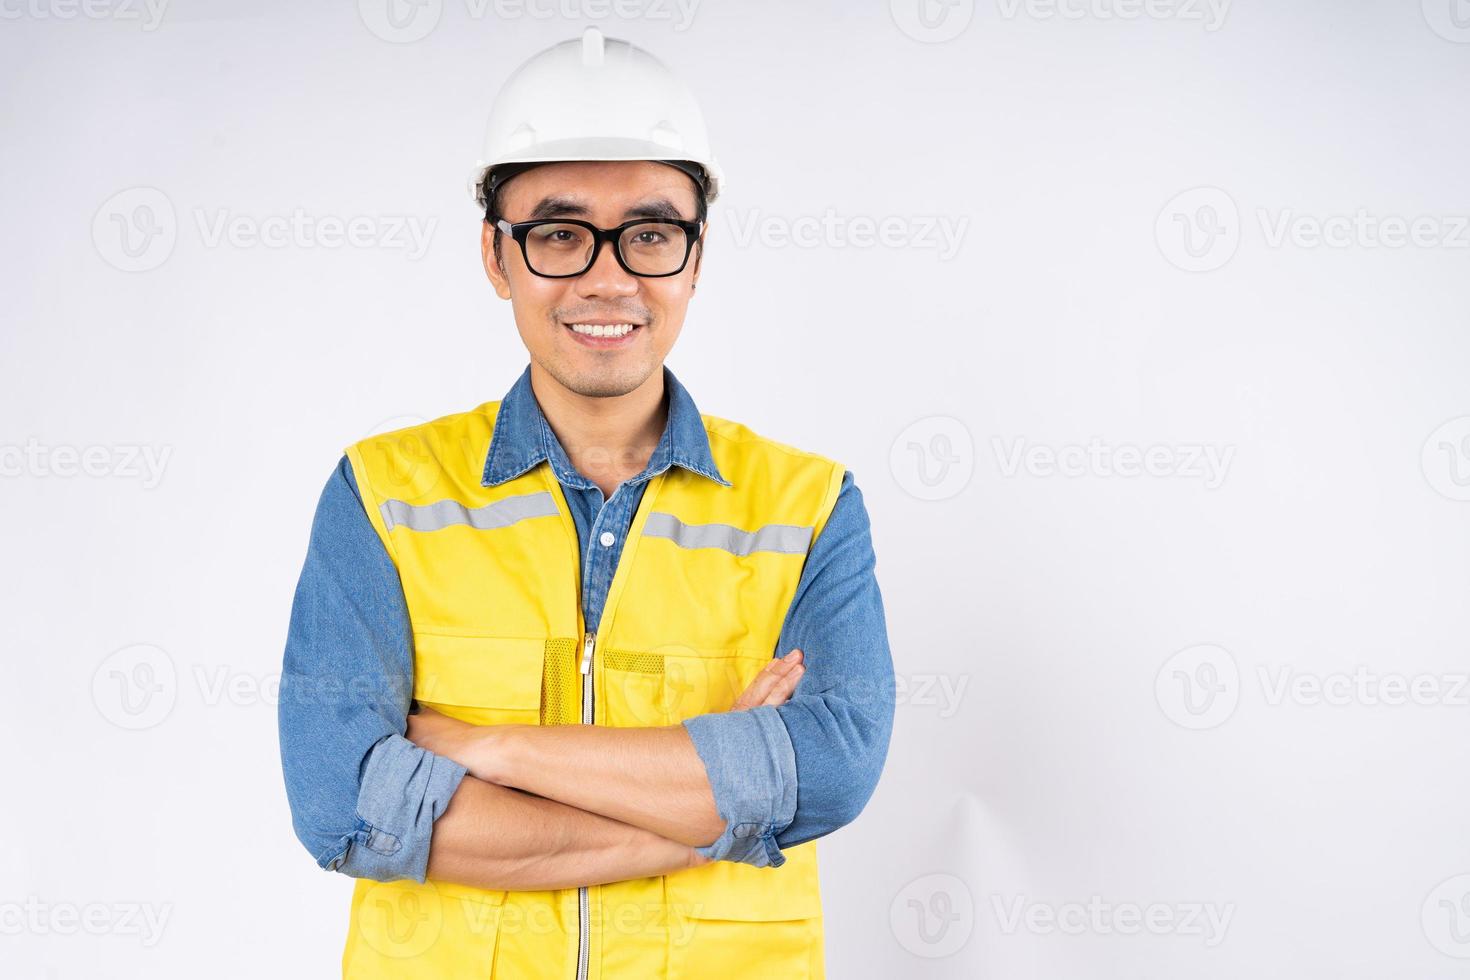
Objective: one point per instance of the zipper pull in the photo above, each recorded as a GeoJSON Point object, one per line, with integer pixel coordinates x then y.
{"type": "Point", "coordinates": [587, 641]}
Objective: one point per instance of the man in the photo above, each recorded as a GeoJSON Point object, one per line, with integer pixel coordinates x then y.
{"type": "Point", "coordinates": [531, 697]}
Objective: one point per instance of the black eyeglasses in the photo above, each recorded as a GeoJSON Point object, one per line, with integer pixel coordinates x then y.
{"type": "Point", "coordinates": [560, 248]}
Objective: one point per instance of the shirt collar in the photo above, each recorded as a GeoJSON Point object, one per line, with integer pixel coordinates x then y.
{"type": "Point", "coordinates": [523, 438]}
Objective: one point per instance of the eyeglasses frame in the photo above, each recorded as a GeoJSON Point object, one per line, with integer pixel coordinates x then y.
{"type": "Point", "coordinates": [518, 230]}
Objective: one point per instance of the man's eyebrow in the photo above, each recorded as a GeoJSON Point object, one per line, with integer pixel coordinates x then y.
{"type": "Point", "coordinates": [566, 207]}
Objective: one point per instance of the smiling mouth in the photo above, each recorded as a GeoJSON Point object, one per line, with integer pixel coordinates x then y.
{"type": "Point", "coordinates": [610, 331]}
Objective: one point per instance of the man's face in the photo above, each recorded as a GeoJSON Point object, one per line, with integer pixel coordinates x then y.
{"type": "Point", "coordinates": [606, 193]}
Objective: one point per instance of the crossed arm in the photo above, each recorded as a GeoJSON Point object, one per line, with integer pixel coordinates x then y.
{"type": "Point", "coordinates": [571, 805]}
{"type": "Point", "coordinates": [376, 792]}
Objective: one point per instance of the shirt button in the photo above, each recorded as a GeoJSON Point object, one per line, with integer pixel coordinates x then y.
{"type": "Point", "coordinates": [607, 539]}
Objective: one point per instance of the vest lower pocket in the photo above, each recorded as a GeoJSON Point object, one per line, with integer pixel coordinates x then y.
{"type": "Point", "coordinates": [734, 920]}
{"type": "Point", "coordinates": [487, 680]}
{"type": "Point", "coordinates": [407, 931]}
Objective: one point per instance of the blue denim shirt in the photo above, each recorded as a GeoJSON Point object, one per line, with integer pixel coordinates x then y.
{"type": "Point", "coordinates": [364, 799]}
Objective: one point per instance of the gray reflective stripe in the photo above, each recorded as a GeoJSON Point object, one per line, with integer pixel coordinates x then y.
{"type": "Point", "coordinates": [788, 539]}
{"type": "Point", "coordinates": [443, 513]}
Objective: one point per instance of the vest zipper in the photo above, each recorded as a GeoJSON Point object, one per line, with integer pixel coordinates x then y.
{"type": "Point", "coordinates": [584, 917]}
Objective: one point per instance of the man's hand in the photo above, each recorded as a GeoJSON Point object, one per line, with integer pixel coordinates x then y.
{"type": "Point", "coordinates": [774, 684]}
{"type": "Point", "coordinates": [472, 746]}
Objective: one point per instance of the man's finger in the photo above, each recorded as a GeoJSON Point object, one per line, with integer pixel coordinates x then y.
{"type": "Point", "coordinates": [760, 689]}
{"type": "Point", "coordinates": [785, 686]}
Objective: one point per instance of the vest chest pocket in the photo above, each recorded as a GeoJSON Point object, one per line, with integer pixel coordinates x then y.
{"type": "Point", "coordinates": [486, 680]}
{"type": "Point", "coordinates": [668, 684]}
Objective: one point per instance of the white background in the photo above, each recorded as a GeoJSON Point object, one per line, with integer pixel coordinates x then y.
{"type": "Point", "coordinates": [1051, 751]}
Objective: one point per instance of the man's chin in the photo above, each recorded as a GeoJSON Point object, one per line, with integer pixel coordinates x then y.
{"type": "Point", "coordinates": [609, 382]}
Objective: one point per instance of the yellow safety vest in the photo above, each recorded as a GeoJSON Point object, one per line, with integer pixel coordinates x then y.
{"type": "Point", "coordinates": [695, 610]}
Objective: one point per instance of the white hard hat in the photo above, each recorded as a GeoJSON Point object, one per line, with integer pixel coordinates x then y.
{"type": "Point", "coordinates": [598, 98]}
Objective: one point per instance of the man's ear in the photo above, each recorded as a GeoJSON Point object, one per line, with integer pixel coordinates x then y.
{"type": "Point", "coordinates": [493, 270]}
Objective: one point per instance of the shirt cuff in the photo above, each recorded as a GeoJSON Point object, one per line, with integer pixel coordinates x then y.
{"type": "Point", "coordinates": [752, 770]}
{"type": "Point", "coordinates": [404, 789]}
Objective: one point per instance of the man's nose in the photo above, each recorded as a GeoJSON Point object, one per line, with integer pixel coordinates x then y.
{"type": "Point", "coordinates": [606, 277]}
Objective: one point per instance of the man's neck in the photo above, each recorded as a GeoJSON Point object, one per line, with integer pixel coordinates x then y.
{"type": "Point", "coordinates": [607, 439]}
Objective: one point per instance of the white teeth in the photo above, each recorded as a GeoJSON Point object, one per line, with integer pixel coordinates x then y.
{"type": "Point", "coordinates": [602, 329]}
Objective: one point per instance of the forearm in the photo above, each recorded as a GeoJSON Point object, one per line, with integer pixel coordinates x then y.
{"type": "Point", "coordinates": [649, 778]}
{"type": "Point", "coordinates": [499, 837]}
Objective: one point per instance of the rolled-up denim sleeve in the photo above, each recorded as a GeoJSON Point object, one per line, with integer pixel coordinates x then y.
{"type": "Point", "coordinates": [363, 798]}
{"type": "Point", "coordinates": [786, 775]}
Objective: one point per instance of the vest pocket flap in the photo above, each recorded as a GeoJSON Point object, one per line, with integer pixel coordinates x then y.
{"type": "Point", "coordinates": [741, 892]}
{"type": "Point", "coordinates": [478, 671]}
